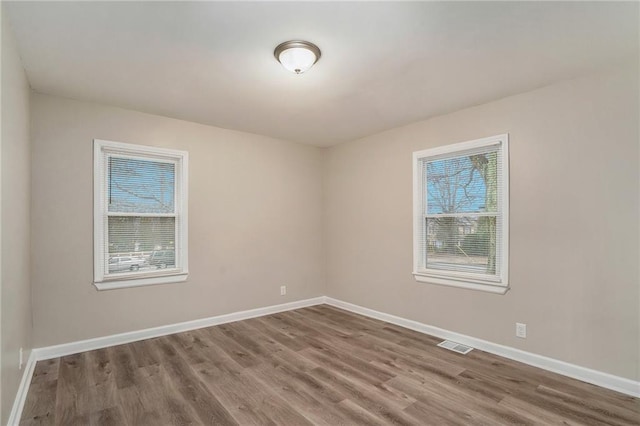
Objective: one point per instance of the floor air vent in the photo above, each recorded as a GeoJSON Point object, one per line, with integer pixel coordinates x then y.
{"type": "Point", "coordinates": [456, 347]}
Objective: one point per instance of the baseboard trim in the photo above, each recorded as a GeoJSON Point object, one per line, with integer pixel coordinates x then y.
{"type": "Point", "coordinates": [605, 380]}
{"type": "Point", "coordinates": [599, 378]}
{"type": "Point", "coordinates": [48, 352]}
{"type": "Point", "coordinates": [133, 336]}
{"type": "Point", "coordinates": [23, 390]}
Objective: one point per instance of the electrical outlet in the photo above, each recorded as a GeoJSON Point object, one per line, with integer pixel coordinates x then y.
{"type": "Point", "coordinates": [521, 330]}
{"type": "Point", "coordinates": [20, 362]}
{"type": "Point", "coordinates": [283, 290]}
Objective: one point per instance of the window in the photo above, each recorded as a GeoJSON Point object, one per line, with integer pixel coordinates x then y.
{"type": "Point", "coordinates": [461, 215]}
{"type": "Point", "coordinates": [140, 215]}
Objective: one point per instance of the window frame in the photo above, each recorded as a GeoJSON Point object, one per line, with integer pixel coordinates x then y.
{"type": "Point", "coordinates": [102, 150]}
{"type": "Point", "coordinates": [493, 284]}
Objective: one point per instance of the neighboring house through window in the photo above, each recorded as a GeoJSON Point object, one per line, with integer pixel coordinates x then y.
{"type": "Point", "coordinates": [140, 215]}
{"type": "Point", "coordinates": [461, 214]}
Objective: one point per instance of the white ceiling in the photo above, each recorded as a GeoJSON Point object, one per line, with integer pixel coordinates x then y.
{"type": "Point", "coordinates": [384, 64]}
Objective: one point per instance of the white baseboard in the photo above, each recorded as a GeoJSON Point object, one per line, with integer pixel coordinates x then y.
{"type": "Point", "coordinates": [23, 389]}
{"type": "Point", "coordinates": [595, 377]}
{"type": "Point", "coordinates": [40, 354]}
{"type": "Point", "coordinates": [133, 336]}
{"type": "Point", "coordinates": [605, 380]}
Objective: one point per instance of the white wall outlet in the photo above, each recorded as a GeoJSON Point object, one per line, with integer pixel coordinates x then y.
{"type": "Point", "coordinates": [521, 330]}
{"type": "Point", "coordinates": [283, 290]}
{"type": "Point", "coordinates": [20, 362]}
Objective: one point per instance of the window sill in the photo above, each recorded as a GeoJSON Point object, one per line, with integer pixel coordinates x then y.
{"type": "Point", "coordinates": [489, 288]}
{"type": "Point", "coordinates": [113, 284]}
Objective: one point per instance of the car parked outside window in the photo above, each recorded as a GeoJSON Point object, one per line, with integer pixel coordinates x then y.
{"type": "Point", "coordinates": [163, 258]}
{"type": "Point", "coordinates": [124, 263]}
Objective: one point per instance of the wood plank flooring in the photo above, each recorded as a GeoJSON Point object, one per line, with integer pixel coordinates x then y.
{"type": "Point", "coordinates": [317, 365]}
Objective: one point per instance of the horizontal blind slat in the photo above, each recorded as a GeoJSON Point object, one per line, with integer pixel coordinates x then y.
{"type": "Point", "coordinates": [141, 217]}
{"type": "Point", "coordinates": [140, 186]}
{"type": "Point", "coordinates": [461, 225]}
{"type": "Point", "coordinates": [140, 243]}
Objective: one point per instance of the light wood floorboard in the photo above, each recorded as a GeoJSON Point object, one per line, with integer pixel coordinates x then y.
{"type": "Point", "coordinates": [312, 366]}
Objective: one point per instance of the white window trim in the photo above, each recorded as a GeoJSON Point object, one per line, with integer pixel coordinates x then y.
{"type": "Point", "coordinates": [498, 284]}
{"type": "Point", "coordinates": [124, 280]}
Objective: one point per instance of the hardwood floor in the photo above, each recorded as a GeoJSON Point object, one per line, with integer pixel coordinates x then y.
{"type": "Point", "coordinates": [317, 365]}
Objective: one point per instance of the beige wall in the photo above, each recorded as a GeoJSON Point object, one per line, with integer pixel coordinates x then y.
{"type": "Point", "coordinates": [574, 223]}
{"type": "Point", "coordinates": [15, 306]}
{"type": "Point", "coordinates": [255, 222]}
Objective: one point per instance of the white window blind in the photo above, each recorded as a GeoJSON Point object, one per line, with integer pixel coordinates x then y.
{"type": "Point", "coordinates": [461, 214]}
{"type": "Point", "coordinates": [140, 214]}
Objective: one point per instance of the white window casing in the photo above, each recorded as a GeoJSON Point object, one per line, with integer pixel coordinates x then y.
{"type": "Point", "coordinates": [140, 215]}
{"type": "Point", "coordinates": [461, 215]}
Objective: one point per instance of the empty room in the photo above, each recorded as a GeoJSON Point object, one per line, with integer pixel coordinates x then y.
{"type": "Point", "coordinates": [320, 213]}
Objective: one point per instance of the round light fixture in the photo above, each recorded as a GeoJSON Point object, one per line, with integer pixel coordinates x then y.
{"type": "Point", "coordinates": [296, 55]}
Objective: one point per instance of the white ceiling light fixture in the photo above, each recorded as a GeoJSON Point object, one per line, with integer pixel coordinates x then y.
{"type": "Point", "coordinates": [297, 55]}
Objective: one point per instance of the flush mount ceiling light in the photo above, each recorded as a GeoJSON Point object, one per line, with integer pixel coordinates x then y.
{"type": "Point", "coordinates": [296, 55]}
